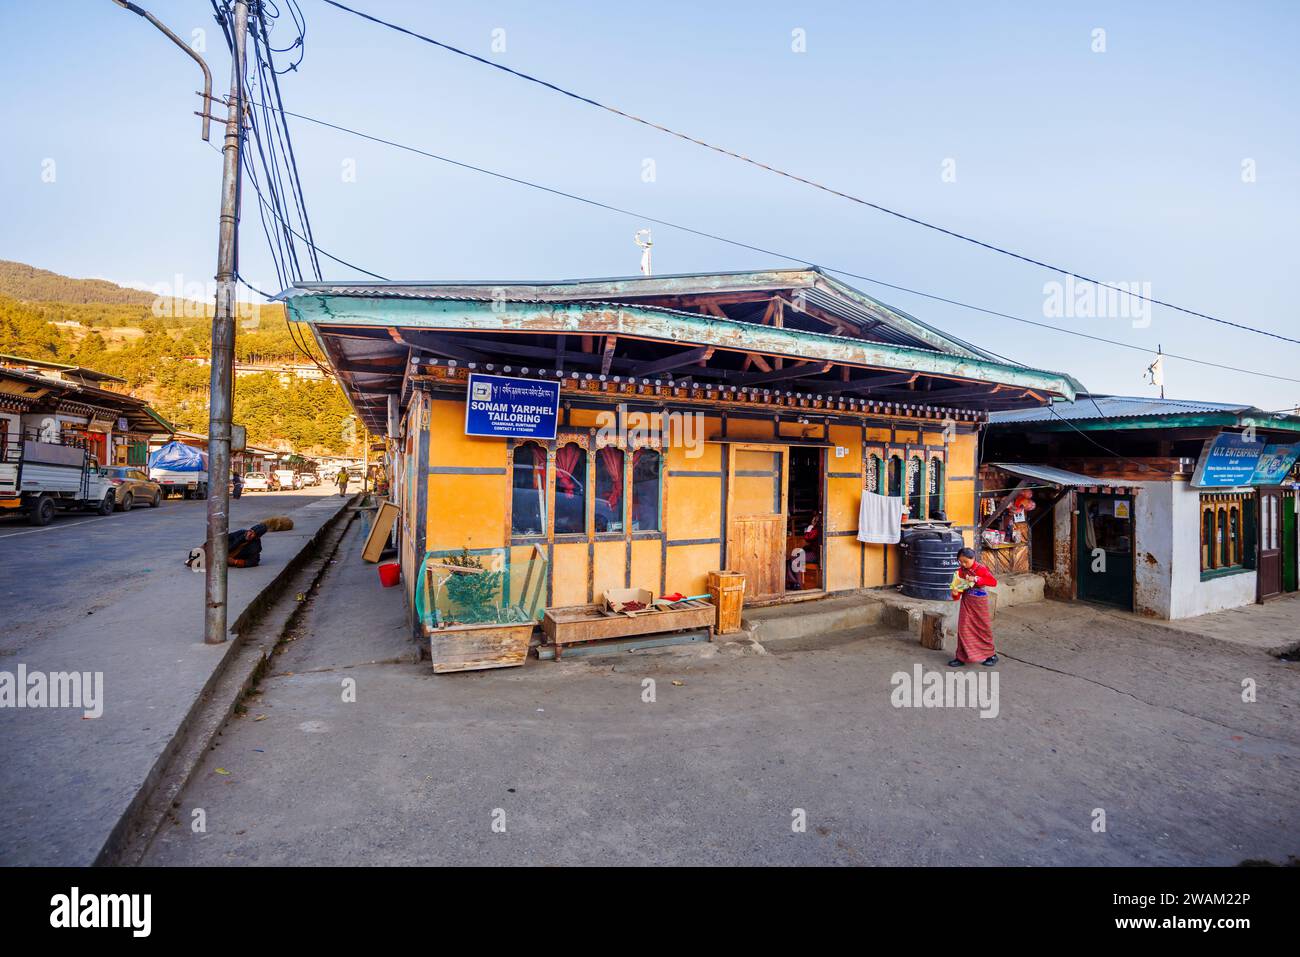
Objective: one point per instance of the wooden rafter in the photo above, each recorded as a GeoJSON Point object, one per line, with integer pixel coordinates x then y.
{"type": "Point", "coordinates": [438, 345]}
{"type": "Point", "coordinates": [875, 382]}
{"type": "Point", "coordinates": [780, 375]}
{"type": "Point", "coordinates": [608, 358]}
{"type": "Point", "coordinates": [667, 364]}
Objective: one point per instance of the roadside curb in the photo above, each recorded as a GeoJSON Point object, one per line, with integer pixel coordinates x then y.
{"type": "Point", "coordinates": [135, 821]}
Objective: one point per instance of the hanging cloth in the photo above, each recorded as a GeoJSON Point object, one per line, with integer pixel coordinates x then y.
{"type": "Point", "coordinates": [611, 460]}
{"type": "Point", "coordinates": [566, 460]}
{"type": "Point", "coordinates": [880, 518]}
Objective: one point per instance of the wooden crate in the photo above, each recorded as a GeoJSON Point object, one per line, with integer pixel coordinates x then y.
{"type": "Point", "coordinates": [476, 647]}
{"type": "Point", "coordinates": [728, 591]}
{"type": "Point", "coordinates": [1006, 559]}
{"type": "Point", "coordinates": [563, 626]}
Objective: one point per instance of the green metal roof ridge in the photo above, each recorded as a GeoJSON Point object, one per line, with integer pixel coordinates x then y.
{"type": "Point", "coordinates": [924, 329]}
{"type": "Point", "coordinates": [667, 325]}
{"type": "Point", "coordinates": [809, 276]}
{"type": "Point", "coordinates": [1183, 420]}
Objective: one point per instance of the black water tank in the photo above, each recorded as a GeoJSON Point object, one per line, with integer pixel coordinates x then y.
{"type": "Point", "coordinates": [929, 561]}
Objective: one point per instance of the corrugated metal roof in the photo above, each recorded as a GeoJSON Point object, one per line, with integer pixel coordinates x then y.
{"type": "Point", "coordinates": [868, 314]}
{"type": "Point", "coordinates": [1055, 476]}
{"type": "Point", "coordinates": [1115, 407]}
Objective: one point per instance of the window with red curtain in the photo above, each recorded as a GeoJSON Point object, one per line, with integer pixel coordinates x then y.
{"type": "Point", "coordinates": [645, 490]}
{"type": "Point", "coordinates": [570, 490]}
{"type": "Point", "coordinates": [528, 505]}
{"type": "Point", "coordinates": [609, 490]}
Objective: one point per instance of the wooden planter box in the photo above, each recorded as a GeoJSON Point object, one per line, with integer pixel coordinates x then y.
{"type": "Point", "coordinates": [475, 647]}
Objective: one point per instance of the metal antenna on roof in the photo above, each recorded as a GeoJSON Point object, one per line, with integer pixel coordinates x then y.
{"type": "Point", "coordinates": [1157, 371]}
{"type": "Point", "coordinates": [645, 245]}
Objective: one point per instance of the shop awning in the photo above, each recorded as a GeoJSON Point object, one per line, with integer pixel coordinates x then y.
{"type": "Point", "coordinates": [1055, 476]}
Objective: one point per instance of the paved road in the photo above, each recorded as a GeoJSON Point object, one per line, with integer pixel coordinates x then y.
{"type": "Point", "coordinates": [579, 768]}
{"type": "Point", "coordinates": [81, 559]}
{"type": "Point", "coordinates": [111, 600]}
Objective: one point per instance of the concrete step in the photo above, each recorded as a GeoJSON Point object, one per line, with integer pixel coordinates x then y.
{"type": "Point", "coordinates": [798, 620]}
{"type": "Point", "coordinates": [880, 609]}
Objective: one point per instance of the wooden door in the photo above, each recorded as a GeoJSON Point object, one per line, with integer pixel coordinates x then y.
{"type": "Point", "coordinates": [1269, 566]}
{"type": "Point", "coordinates": [756, 505]}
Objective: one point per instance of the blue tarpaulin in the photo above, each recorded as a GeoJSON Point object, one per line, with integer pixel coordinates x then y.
{"type": "Point", "coordinates": [179, 457]}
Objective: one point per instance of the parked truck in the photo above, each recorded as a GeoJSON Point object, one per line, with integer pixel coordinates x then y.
{"type": "Point", "coordinates": [180, 469]}
{"type": "Point", "coordinates": [37, 478]}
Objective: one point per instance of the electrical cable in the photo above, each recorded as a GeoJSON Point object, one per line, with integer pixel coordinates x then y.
{"type": "Point", "coordinates": [1061, 270]}
{"type": "Point", "coordinates": [753, 248]}
{"type": "Point", "coordinates": [1108, 451]}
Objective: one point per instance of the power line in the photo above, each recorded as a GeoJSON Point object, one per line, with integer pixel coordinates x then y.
{"type": "Point", "coordinates": [749, 246]}
{"type": "Point", "coordinates": [275, 152]}
{"type": "Point", "coordinates": [1061, 270]}
{"type": "Point", "coordinates": [1108, 451]}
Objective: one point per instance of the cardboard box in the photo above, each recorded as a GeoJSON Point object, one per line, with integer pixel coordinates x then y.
{"type": "Point", "coordinates": [617, 598]}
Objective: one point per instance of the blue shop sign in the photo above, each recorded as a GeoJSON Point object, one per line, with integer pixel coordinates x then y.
{"type": "Point", "coordinates": [1275, 464]}
{"type": "Point", "coordinates": [1229, 461]}
{"type": "Point", "coordinates": [512, 408]}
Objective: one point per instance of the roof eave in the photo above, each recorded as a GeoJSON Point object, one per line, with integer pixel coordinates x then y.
{"type": "Point", "coordinates": [663, 325]}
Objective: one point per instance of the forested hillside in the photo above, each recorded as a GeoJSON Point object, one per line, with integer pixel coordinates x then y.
{"type": "Point", "coordinates": [21, 281]}
{"type": "Point", "coordinates": [160, 356]}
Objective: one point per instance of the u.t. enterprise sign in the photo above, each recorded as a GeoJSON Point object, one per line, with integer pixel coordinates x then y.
{"type": "Point", "coordinates": [501, 406]}
{"type": "Point", "coordinates": [1230, 461]}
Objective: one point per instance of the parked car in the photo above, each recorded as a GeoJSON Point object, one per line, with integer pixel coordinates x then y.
{"type": "Point", "coordinates": [261, 482]}
{"type": "Point", "coordinates": [310, 478]}
{"type": "Point", "coordinates": [132, 486]}
{"type": "Point", "coordinates": [288, 478]}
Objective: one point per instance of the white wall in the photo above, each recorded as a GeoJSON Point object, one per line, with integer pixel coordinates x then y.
{"type": "Point", "coordinates": [1155, 548]}
{"type": "Point", "coordinates": [1191, 596]}
{"type": "Point", "coordinates": [1058, 582]}
{"type": "Point", "coordinates": [1166, 558]}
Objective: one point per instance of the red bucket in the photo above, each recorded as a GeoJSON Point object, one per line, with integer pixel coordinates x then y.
{"type": "Point", "coordinates": [390, 574]}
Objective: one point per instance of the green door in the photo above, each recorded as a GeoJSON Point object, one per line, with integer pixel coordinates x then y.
{"type": "Point", "coordinates": [1104, 550]}
{"type": "Point", "coordinates": [1288, 542]}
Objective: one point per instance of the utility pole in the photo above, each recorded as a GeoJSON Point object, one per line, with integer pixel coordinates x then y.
{"type": "Point", "coordinates": [223, 344]}
{"type": "Point", "coordinates": [223, 319]}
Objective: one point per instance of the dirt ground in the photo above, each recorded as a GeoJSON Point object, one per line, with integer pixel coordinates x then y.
{"type": "Point", "coordinates": [566, 763]}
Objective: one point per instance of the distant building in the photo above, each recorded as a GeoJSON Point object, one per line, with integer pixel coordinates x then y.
{"type": "Point", "coordinates": [51, 401]}
{"type": "Point", "coordinates": [1167, 508]}
{"type": "Point", "coordinates": [285, 371]}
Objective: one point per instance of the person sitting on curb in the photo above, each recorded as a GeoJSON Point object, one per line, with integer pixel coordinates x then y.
{"type": "Point", "coordinates": [244, 547]}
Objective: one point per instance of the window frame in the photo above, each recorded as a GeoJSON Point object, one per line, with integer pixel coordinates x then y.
{"type": "Point", "coordinates": [659, 492]}
{"type": "Point", "coordinates": [1225, 529]}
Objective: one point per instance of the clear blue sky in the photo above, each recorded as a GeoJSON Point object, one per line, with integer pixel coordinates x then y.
{"type": "Point", "coordinates": [1125, 165]}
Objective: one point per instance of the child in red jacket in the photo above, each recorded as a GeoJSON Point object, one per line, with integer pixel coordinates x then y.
{"type": "Point", "coordinates": [974, 621]}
